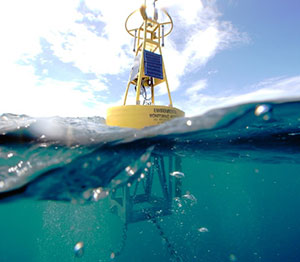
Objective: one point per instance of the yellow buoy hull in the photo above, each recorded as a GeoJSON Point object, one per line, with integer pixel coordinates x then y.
{"type": "Point", "coordinates": [140, 116]}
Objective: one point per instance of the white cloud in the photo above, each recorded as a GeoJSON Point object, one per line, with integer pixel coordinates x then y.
{"type": "Point", "coordinates": [198, 35]}
{"type": "Point", "coordinates": [199, 85]}
{"type": "Point", "coordinates": [267, 90]}
{"type": "Point", "coordinates": [188, 13]}
{"type": "Point", "coordinates": [22, 23]}
{"type": "Point", "coordinates": [199, 26]}
{"type": "Point", "coordinates": [89, 52]}
{"type": "Point", "coordinates": [97, 85]}
{"type": "Point", "coordinates": [25, 93]}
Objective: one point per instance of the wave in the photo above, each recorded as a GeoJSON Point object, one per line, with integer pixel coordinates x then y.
{"type": "Point", "coordinates": [68, 158]}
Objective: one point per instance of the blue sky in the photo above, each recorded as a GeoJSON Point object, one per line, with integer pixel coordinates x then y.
{"type": "Point", "coordinates": [73, 58]}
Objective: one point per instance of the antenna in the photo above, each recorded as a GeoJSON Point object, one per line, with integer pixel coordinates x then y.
{"type": "Point", "coordinates": [155, 15]}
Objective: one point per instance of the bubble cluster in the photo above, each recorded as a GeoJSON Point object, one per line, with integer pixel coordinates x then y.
{"type": "Point", "coordinates": [99, 193]}
{"type": "Point", "coordinates": [130, 171]}
{"type": "Point", "coordinates": [20, 169]}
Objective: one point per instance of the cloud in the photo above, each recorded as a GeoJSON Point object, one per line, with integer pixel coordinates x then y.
{"type": "Point", "coordinates": [198, 86]}
{"type": "Point", "coordinates": [199, 34]}
{"type": "Point", "coordinates": [23, 23]}
{"type": "Point", "coordinates": [267, 90]}
{"type": "Point", "coordinates": [25, 93]}
{"type": "Point", "coordinates": [89, 35]}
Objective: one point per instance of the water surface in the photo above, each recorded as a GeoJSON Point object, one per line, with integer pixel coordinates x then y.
{"type": "Point", "coordinates": [223, 186]}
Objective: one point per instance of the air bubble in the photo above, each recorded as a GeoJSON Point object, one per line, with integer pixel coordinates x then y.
{"type": "Point", "coordinates": [264, 112]}
{"type": "Point", "coordinates": [112, 256]}
{"type": "Point", "coordinates": [2, 184]}
{"type": "Point", "coordinates": [87, 194]}
{"type": "Point", "coordinates": [189, 199]}
{"type": "Point", "coordinates": [85, 165]}
{"type": "Point", "coordinates": [203, 230]}
{"type": "Point", "coordinates": [189, 122]}
{"type": "Point", "coordinates": [232, 258]}
{"type": "Point", "coordinates": [10, 155]}
{"type": "Point", "coordinates": [177, 174]}
{"type": "Point", "coordinates": [99, 193]}
{"type": "Point", "coordinates": [178, 202]}
{"type": "Point", "coordinates": [79, 249]}
{"type": "Point", "coordinates": [129, 171]}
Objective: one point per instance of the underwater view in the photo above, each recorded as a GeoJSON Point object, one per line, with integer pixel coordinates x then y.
{"type": "Point", "coordinates": [223, 186]}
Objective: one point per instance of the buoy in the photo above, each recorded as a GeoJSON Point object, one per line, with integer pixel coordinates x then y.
{"type": "Point", "coordinates": [147, 73]}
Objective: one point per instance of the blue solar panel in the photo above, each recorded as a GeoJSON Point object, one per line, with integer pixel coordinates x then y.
{"type": "Point", "coordinates": [153, 64]}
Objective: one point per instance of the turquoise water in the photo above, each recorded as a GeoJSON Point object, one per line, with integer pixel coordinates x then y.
{"type": "Point", "coordinates": [219, 187]}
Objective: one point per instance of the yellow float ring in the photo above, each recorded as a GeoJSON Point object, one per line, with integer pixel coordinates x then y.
{"type": "Point", "coordinates": [140, 116]}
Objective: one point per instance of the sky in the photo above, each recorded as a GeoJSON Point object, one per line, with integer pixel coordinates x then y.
{"type": "Point", "coordinates": [73, 57]}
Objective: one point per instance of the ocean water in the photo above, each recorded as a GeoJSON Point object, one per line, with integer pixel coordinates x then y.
{"type": "Point", "coordinates": [224, 186]}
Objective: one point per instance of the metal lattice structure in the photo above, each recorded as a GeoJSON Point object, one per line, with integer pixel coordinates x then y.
{"type": "Point", "coordinates": [151, 195]}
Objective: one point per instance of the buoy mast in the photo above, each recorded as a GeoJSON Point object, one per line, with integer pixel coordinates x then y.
{"type": "Point", "coordinates": [147, 73]}
{"type": "Point", "coordinates": [148, 39]}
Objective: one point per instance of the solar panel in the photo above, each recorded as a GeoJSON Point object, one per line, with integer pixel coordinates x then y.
{"type": "Point", "coordinates": [153, 65]}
